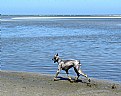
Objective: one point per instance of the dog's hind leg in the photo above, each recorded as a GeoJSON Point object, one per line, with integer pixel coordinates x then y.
{"type": "Point", "coordinates": [80, 72]}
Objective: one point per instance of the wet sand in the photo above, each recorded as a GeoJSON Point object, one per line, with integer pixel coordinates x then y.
{"type": "Point", "coordinates": [35, 84]}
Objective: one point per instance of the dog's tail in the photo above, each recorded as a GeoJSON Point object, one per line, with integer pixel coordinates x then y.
{"type": "Point", "coordinates": [79, 62]}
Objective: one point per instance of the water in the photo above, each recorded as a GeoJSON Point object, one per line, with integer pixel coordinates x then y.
{"type": "Point", "coordinates": [29, 45]}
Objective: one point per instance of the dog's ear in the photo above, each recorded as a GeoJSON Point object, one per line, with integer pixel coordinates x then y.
{"type": "Point", "coordinates": [57, 54]}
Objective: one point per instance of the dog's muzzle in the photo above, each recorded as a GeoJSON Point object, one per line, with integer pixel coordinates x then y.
{"type": "Point", "coordinates": [54, 60]}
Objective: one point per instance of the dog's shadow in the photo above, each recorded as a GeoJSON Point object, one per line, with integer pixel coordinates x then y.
{"type": "Point", "coordinates": [82, 80]}
{"type": "Point", "coordinates": [66, 79]}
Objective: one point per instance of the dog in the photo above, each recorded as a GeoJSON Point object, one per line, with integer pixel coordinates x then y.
{"type": "Point", "coordinates": [66, 65]}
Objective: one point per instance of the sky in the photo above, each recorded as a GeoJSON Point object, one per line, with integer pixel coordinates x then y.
{"type": "Point", "coordinates": [60, 7]}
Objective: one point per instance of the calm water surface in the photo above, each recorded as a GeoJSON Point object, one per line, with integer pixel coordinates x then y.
{"type": "Point", "coordinates": [29, 45]}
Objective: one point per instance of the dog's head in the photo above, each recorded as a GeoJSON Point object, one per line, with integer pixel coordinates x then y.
{"type": "Point", "coordinates": [55, 58]}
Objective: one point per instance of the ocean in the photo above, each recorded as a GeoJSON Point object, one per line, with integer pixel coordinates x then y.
{"type": "Point", "coordinates": [28, 45]}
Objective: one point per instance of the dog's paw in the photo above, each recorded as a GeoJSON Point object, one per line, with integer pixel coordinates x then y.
{"type": "Point", "coordinates": [69, 78]}
{"type": "Point", "coordinates": [71, 81]}
{"type": "Point", "coordinates": [76, 79]}
{"type": "Point", "coordinates": [86, 75]}
{"type": "Point", "coordinates": [55, 79]}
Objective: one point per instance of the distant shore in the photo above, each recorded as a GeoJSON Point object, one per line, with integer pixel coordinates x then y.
{"type": "Point", "coordinates": [64, 17]}
{"type": "Point", "coordinates": [34, 84]}
{"type": "Point", "coordinates": [60, 16]}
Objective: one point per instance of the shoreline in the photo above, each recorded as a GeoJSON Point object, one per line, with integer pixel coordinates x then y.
{"type": "Point", "coordinates": [35, 84]}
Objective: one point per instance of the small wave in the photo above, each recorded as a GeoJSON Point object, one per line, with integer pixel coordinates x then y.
{"type": "Point", "coordinates": [118, 24]}
{"type": "Point", "coordinates": [5, 19]}
{"type": "Point", "coordinates": [21, 18]}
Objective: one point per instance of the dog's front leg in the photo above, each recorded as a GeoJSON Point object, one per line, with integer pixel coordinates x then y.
{"type": "Point", "coordinates": [58, 71]}
{"type": "Point", "coordinates": [68, 75]}
{"type": "Point", "coordinates": [55, 78]}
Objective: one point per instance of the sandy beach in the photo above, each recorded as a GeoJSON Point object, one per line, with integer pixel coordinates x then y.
{"type": "Point", "coordinates": [35, 84]}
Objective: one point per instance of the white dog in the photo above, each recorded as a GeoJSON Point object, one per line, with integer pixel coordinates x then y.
{"type": "Point", "coordinates": [66, 65]}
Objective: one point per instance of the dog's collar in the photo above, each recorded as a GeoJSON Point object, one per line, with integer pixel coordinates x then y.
{"type": "Point", "coordinates": [59, 60]}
